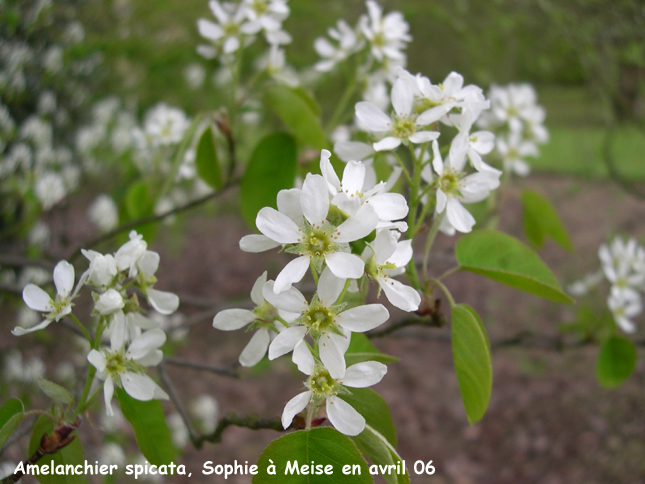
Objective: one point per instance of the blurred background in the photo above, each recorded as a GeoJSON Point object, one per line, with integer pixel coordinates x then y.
{"type": "Point", "coordinates": [549, 421]}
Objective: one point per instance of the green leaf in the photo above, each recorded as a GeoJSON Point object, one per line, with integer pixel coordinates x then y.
{"type": "Point", "coordinates": [71, 454]}
{"type": "Point", "coordinates": [272, 168]}
{"type": "Point", "coordinates": [374, 409]}
{"type": "Point", "coordinates": [206, 160]}
{"type": "Point", "coordinates": [55, 392]}
{"type": "Point", "coordinates": [471, 353]}
{"type": "Point", "coordinates": [361, 349]}
{"type": "Point", "coordinates": [150, 428]}
{"type": "Point", "coordinates": [297, 113]}
{"type": "Point", "coordinates": [541, 221]}
{"type": "Point", "coordinates": [11, 414]}
{"type": "Point", "coordinates": [138, 201]}
{"type": "Point", "coordinates": [505, 259]}
{"type": "Point", "coordinates": [324, 446]}
{"type": "Point", "coordinates": [616, 361]}
{"type": "Point", "coordinates": [373, 445]}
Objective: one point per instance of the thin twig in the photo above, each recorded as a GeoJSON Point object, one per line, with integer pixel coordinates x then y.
{"type": "Point", "coordinates": [228, 371]}
{"type": "Point", "coordinates": [153, 218]}
{"type": "Point", "coordinates": [12, 260]}
{"type": "Point", "coordinates": [174, 398]}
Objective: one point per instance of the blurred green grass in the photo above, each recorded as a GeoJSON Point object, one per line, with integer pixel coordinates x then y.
{"type": "Point", "coordinates": [147, 45]}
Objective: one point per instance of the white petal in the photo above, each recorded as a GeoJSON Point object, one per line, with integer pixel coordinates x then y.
{"type": "Point", "coordinates": [159, 394]}
{"type": "Point", "coordinates": [387, 144]}
{"type": "Point", "coordinates": [402, 296]}
{"type": "Point", "coordinates": [371, 118]}
{"type": "Point", "coordinates": [303, 358]}
{"type": "Point", "coordinates": [152, 358]}
{"type": "Point", "coordinates": [384, 245]}
{"type": "Point", "coordinates": [286, 341]}
{"type": "Point", "coordinates": [140, 321]}
{"type": "Point", "coordinates": [209, 29]}
{"type": "Point", "coordinates": [363, 318]}
{"type": "Point", "coordinates": [359, 225]}
{"type": "Point", "coordinates": [329, 287]}
{"type": "Point", "coordinates": [484, 142]}
{"type": "Point", "coordinates": [97, 359]}
{"type": "Point", "coordinates": [139, 387]}
{"type": "Point", "coordinates": [389, 206]}
{"type": "Point", "coordinates": [293, 272]}
{"type": "Point", "coordinates": [117, 327]}
{"type": "Point", "coordinates": [232, 319]}
{"type": "Point", "coordinates": [364, 374]}
{"type": "Point", "coordinates": [257, 243]}
{"type": "Point", "coordinates": [423, 136]}
{"type": "Point", "coordinates": [458, 149]}
{"type": "Point", "coordinates": [343, 416]}
{"type": "Point", "coordinates": [342, 340]}
{"type": "Point", "coordinates": [148, 341]}
{"type": "Point", "coordinates": [353, 177]}
{"type": "Point", "coordinates": [108, 392]}
{"type": "Point", "coordinates": [331, 356]}
{"type": "Point", "coordinates": [433, 115]}
{"type": "Point", "coordinates": [437, 161]}
{"type": "Point", "coordinates": [458, 216]}
{"type": "Point", "coordinates": [37, 299]}
{"type": "Point", "coordinates": [290, 300]}
{"type": "Point", "coordinates": [315, 199]}
{"type": "Point", "coordinates": [255, 350]}
{"type": "Point", "coordinates": [345, 266]}
{"type": "Point", "coordinates": [402, 97]}
{"type": "Point", "coordinates": [64, 278]}
{"type": "Point", "coordinates": [328, 172]}
{"type": "Point", "coordinates": [148, 263]}
{"type": "Point", "coordinates": [352, 150]}
{"type": "Point", "coordinates": [277, 226]}
{"type": "Point", "coordinates": [294, 406]}
{"type": "Point", "coordinates": [289, 204]}
{"type": "Point", "coordinates": [442, 200]}
{"type": "Point", "coordinates": [162, 301]}
{"type": "Point", "coordinates": [20, 331]}
{"type": "Point", "coordinates": [402, 254]}
{"type": "Point", "coordinates": [256, 291]}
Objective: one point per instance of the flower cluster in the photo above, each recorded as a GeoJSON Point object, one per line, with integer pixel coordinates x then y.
{"type": "Point", "coordinates": [319, 223]}
{"type": "Point", "coordinates": [379, 40]}
{"type": "Point", "coordinates": [623, 266]}
{"type": "Point", "coordinates": [418, 108]}
{"type": "Point", "coordinates": [238, 23]}
{"type": "Point", "coordinates": [517, 121]}
{"type": "Point", "coordinates": [134, 339]}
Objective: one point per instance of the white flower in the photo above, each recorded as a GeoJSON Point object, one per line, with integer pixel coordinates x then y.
{"type": "Point", "coordinates": [195, 75]}
{"type": "Point", "coordinates": [127, 368]}
{"type": "Point", "coordinates": [513, 150]}
{"type": "Point", "coordinates": [109, 302]}
{"type": "Point", "coordinates": [264, 318]}
{"type": "Point", "coordinates": [582, 287]}
{"type": "Point", "coordinates": [267, 15]}
{"type": "Point", "coordinates": [178, 430]}
{"type": "Point", "coordinates": [350, 194]}
{"type": "Point", "coordinates": [233, 24]}
{"type": "Point", "coordinates": [454, 187]}
{"type": "Point", "coordinates": [40, 301]}
{"type": "Point", "coordinates": [385, 258]}
{"type": "Point", "coordinates": [348, 43]}
{"type": "Point", "coordinates": [50, 189]}
{"type": "Point", "coordinates": [39, 235]}
{"type": "Point", "coordinates": [322, 386]}
{"type": "Point", "coordinates": [112, 454]}
{"type": "Point", "coordinates": [305, 222]}
{"type": "Point", "coordinates": [102, 267]}
{"type": "Point", "coordinates": [104, 213]}
{"type": "Point", "coordinates": [387, 35]}
{"type": "Point", "coordinates": [165, 125]}
{"type": "Point", "coordinates": [624, 306]}
{"type": "Point", "coordinates": [134, 256]}
{"type": "Point", "coordinates": [325, 322]}
{"type": "Point", "coordinates": [404, 125]}
{"type": "Point", "coordinates": [206, 410]}
{"type": "Point", "coordinates": [623, 264]}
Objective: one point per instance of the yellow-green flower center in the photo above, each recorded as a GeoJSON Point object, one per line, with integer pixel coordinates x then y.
{"type": "Point", "coordinates": [231, 29]}
{"type": "Point", "coordinates": [260, 7]}
{"type": "Point", "coordinates": [404, 128]}
{"type": "Point", "coordinates": [322, 384]}
{"type": "Point", "coordinates": [450, 183]}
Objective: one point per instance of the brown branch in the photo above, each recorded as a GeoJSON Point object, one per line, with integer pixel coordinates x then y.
{"type": "Point", "coordinates": [49, 444]}
{"type": "Point", "coordinates": [174, 398]}
{"type": "Point", "coordinates": [12, 260]}
{"type": "Point", "coordinates": [247, 421]}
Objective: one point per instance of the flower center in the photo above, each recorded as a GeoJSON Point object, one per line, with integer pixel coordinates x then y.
{"type": "Point", "coordinates": [318, 242]}
{"type": "Point", "coordinates": [116, 364]}
{"type": "Point", "coordinates": [260, 7]}
{"type": "Point", "coordinates": [265, 316]}
{"type": "Point", "coordinates": [322, 384]}
{"type": "Point", "coordinates": [379, 39]}
{"type": "Point", "coordinates": [450, 183]}
{"type": "Point", "coordinates": [231, 29]}
{"type": "Point", "coordinates": [404, 127]}
{"type": "Point", "coordinates": [319, 319]}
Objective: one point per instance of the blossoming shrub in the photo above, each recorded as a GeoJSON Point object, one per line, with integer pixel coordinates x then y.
{"type": "Point", "coordinates": [356, 206]}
